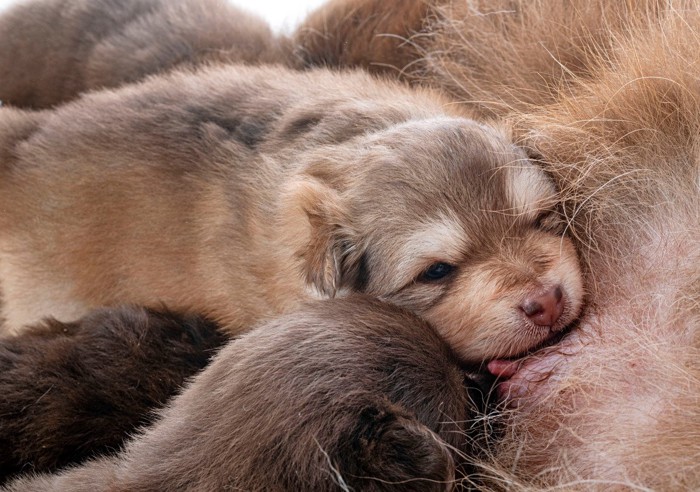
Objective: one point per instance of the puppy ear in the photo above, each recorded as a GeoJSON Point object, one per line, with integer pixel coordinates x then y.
{"type": "Point", "coordinates": [318, 224]}
{"type": "Point", "coordinates": [389, 445]}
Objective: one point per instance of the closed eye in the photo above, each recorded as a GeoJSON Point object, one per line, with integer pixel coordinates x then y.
{"type": "Point", "coordinates": [436, 272]}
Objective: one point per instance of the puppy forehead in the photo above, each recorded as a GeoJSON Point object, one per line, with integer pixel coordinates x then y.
{"type": "Point", "coordinates": [441, 238]}
{"type": "Point", "coordinates": [437, 123]}
{"type": "Point", "coordinates": [441, 150]}
{"type": "Point", "coordinates": [434, 129]}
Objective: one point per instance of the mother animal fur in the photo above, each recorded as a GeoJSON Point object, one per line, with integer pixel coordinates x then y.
{"type": "Point", "coordinates": [345, 394]}
{"type": "Point", "coordinates": [239, 192]}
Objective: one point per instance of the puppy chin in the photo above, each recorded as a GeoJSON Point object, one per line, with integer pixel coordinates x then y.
{"type": "Point", "coordinates": [499, 332]}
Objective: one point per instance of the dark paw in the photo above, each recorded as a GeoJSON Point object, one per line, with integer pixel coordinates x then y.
{"type": "Point", "coordinates": [393, 451]}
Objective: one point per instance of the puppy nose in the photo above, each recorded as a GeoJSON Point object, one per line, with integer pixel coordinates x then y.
{"type": "Point", "coordinates": [544, 309]}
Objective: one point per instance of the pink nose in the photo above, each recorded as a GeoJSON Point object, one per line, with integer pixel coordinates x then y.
{"type": "Point", "coordinates": [544, 309]}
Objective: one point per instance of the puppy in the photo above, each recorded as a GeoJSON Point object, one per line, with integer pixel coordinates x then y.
{"type": "Point", "coordinates": [239, 192]}
{"type": "Point", "coordinates": [607, 94]}
{"type": "Point", "coordinates": [344, 395]}
{"type": "Point", "coordinates": [72, 391]}
{"type": "Point", "coordinates": [52, 50]}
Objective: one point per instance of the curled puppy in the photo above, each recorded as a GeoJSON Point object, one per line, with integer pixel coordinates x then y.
{"type": "Point", "coordinates": [72, 391]}
{"type": "Point", "coordinates": [239, 192]}
{"type": "Point", "coordinates": [345, 395]}
{"type": "Point", "coordinates": [52, 50]}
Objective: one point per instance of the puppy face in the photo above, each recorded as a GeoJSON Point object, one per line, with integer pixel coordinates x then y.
{"type": "Point", "coordinates": [447, 218]}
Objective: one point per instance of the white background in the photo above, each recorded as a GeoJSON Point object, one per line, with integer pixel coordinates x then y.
{"type": "Point", "coordinates": [283, 15]}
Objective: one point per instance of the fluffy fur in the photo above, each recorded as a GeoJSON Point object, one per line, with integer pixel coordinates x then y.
{"type": "Point", "coordinates": [342, 33]}
{"type": "Point", "coordinates": [70, 391]}
{"type": "Point", "coordinates": [607, 94]}
{"type": "Point", "coordinates": [344, 395]}
{"type": "Point", "coordinates": [53, 50]}
{"type": "Point", "coordinates": [239, 192]}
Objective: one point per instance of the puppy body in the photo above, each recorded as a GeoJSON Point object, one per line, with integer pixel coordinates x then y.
{"type": "Point", "coordinates": [73, 391]}
{"type": "Point", "coordinates": [259, 188]}
{"type": "Point", "coordinates": [607, 94]}
{"type": "Point", "coordinates": [343, 394]}
{"type": "Point", "coordinates": [52, 50]}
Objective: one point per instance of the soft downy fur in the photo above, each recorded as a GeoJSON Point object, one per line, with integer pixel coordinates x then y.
{"type": "Point", "coordinates": [239, 192]}
{"type": "Point", "coordinates": [342, 395]}
{"type": "Point", "coordinates": [71, 391]}
{"type": "Point", "coordinates": [606, 93]}
{"type": "Point", "coordinates": [53, 50]}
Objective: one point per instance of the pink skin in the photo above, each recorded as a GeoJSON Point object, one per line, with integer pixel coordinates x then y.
{"type": "Point", "coordinates": [526, 380]}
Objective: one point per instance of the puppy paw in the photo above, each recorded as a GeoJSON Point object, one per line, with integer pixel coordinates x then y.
{"type": "Point", "coordinates": [393, 451]}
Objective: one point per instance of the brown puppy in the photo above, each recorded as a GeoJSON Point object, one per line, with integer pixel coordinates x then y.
{"type": "Point", "coordinates": [344, 395]}
{"type": "Point", "coordinates": [52, 50]}
{"type": "Point", "coordinates": [239, 192]}
{"type": "Point", "coordinates": [607, 93]}
{"type": "Point", "coordinates": [72, 391]}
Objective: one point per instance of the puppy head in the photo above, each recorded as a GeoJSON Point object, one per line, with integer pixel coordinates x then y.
{"type": "Point", "coordinates": [446, 218]}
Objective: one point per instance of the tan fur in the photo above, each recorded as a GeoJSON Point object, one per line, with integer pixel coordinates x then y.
{"type": "Point", "coordinates": [52, 50]}
{"type": "Point", "coordinates": [606, 93]}
{"type": "Point", "coordinates": [342, 395]}
{"type": "Point", "coordinates": [261, 187]}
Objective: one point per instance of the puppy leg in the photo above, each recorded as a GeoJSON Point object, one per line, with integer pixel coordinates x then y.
{"type": "Point", "coordinates": [389, 449]}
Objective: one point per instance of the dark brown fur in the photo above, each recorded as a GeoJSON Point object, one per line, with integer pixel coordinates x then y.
{"type": "Point", "coordinates": [344, 394]}
{"type": "Point", "coordinates": [53, 50]}
{"type": "Point", "coordinates": [71, 391]}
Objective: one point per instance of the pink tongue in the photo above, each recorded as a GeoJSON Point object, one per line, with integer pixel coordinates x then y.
{"type": "Point", "coordinates": [503, 368]}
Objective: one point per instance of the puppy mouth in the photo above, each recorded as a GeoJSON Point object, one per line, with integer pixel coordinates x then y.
{"type": "Point", "coordinates": [506, 370]}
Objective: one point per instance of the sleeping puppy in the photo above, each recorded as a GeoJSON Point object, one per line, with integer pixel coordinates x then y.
{"type": "Point", "coordinates": [52, 50]}
{"type": "Point", "coordinates": [71, 391]}
{"type": "Point", "coordinates": [239, 192]}
{"type": "Point", "coordinates": [346, 394]}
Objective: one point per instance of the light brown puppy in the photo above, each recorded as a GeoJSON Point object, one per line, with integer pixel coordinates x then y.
{"type": "Point", "coordinates": [261, 187]}
{"type": "Point", "coordinates": [52, 50]}
{"type": "Point", "coordinates": [343, 395]}
{"type": "Point", "coordinates": [607, 93]}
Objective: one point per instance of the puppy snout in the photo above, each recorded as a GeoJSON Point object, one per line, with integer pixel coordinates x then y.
{"type": "Point", "coordinates": [544, 309]}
